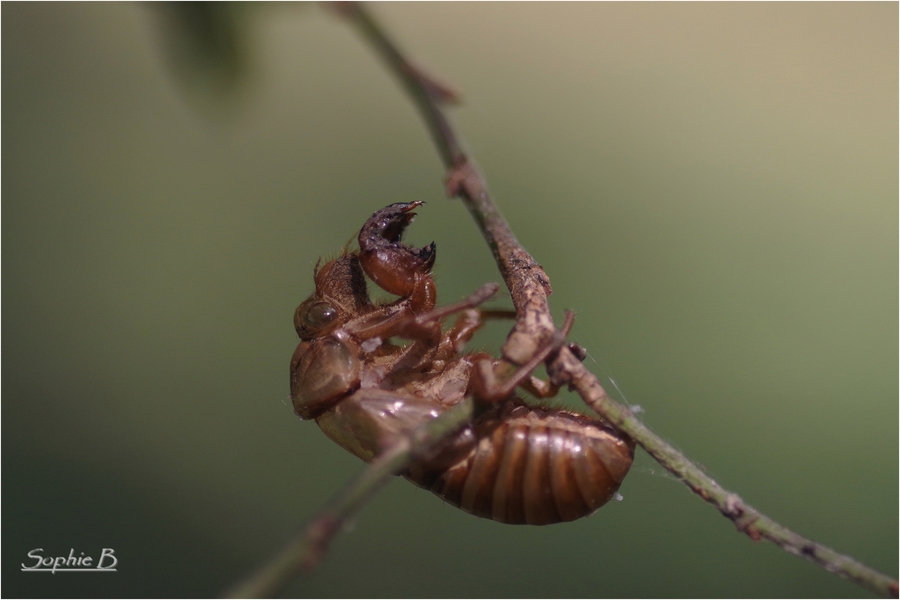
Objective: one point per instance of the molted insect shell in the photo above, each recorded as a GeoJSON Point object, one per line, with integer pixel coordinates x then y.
{"type": "Point", "coordinates": [537, 466]}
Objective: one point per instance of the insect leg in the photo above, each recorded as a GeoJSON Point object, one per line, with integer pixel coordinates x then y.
{"type": "Point", "coordinates": [426, 328]}
{"type": "Point", "coordinates": [480, 296]}
{"type": "Point", "coordinates": [539, 388]}
{"type": "Point", "coordinates": [484, 381]}
{"type": "Point", "coordinates": [546, 389]}
{"type": "Point", "coordinates": [467, 323]}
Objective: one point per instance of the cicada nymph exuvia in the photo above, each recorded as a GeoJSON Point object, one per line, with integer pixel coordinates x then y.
{"type": "Point", "coordinates": [367, 372]}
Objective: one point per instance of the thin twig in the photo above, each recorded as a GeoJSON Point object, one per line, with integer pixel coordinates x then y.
{"type": "Point", "coordinates": [306, 550]}
{"type": "Point", "coordinates": [530, 286]}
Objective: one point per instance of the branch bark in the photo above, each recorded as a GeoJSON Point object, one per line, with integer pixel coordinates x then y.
{"type": "Point", "coordinates": [529, 287]}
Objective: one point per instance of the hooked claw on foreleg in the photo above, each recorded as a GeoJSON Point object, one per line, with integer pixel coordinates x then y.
{"type": "Point", "coordinates": [390, 263]}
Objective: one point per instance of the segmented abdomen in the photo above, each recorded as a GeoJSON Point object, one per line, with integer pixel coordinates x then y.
{"type": "Point", "coordinates": [536, 466]}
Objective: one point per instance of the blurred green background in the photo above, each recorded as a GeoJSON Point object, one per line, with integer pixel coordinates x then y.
{"type": "Point", "coordinates": [712, 187]}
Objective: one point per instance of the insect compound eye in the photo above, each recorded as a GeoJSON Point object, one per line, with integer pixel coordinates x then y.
{"type": "Point", "coordinates": [320, 315]}
{"type": "Point", "coordinates": [313, 317]}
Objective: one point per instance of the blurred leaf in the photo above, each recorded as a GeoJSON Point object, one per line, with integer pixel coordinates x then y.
{"type": "Point", "coordinates": [206, 44]}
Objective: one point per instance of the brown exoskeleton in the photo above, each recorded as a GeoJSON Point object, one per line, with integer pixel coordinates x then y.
{"type": "Point", "coordinates": [515, 463]}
